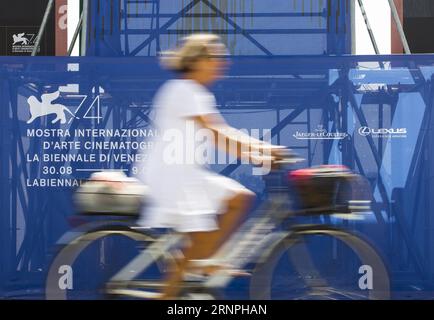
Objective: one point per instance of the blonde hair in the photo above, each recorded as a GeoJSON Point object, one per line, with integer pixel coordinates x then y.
{"type": "Point", "coordinates": [192, 48]}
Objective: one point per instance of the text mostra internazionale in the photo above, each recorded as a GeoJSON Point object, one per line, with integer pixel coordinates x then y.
{"type": "Point", "coordinates": [92, 133]}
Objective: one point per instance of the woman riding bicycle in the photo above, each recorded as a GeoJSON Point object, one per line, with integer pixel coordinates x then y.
{"type": "Point", "coordinates": [184, 194]}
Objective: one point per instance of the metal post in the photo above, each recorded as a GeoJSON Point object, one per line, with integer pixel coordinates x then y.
{"type": "Point", "coordinates": [84, 13]}
{"type": "Point", "coordinates": [399, 27]}
{"type": "Point", "coordinates": [6, 143]}
{"type": "Point", "coordinates": [42, 28]}
{"type": "Point", "coordinates": [158, 48]}
{"type": "Point", "coordinates": [76, 33]}
{"type": "Point", "coordinates": [353, 26]}
{"type": "Point", "coordinates": [368, 26]}
{"type": "Point", "coordinates": [429, 221]}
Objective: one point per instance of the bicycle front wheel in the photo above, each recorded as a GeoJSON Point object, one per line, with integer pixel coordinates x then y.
{"type": "Point", "coordinates": [320, 262]}
{"type": "Point", "coordinates": [81, 269]}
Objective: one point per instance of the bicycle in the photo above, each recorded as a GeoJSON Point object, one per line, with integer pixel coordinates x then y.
{"type": "Point", "coordinates": [258, 246]}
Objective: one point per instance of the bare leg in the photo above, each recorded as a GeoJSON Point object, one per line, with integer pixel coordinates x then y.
{"type": "Point", "coordinates": [205, 244]}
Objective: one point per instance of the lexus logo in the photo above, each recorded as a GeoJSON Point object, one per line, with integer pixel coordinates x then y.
{"type": "Point", "coordinates": [383, 132]}
{"type": "Point", "coordinates": [364, 131]}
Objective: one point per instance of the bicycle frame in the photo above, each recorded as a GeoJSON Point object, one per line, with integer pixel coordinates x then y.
{"type": "Point", "coordinates": [257, 242]}
{"type": "Point", "coordinates": [250, 241]}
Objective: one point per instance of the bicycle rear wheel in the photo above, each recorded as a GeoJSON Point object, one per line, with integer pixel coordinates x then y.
{"type": "Point", "coordinates": [344, 267]}
{"type": "Point", "coordinates": [81, 269]}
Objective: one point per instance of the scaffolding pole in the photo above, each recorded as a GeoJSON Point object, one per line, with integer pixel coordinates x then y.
{"type": "Point", "coordinates": [76, 33]}
{"type": "Point", "coordinates": [353, 26]}
{"type": "Point", "coordinates": [85, 14]}
{"type": "Point", "coordinates": [368, 26]}
{"type": "Point", "coordinates": [399, 26]}
{"type": "Point", "coordinates": [42, 27]}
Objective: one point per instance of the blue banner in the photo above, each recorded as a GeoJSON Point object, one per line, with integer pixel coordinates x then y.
{"type": "Point", "coordinates": [65, 118]}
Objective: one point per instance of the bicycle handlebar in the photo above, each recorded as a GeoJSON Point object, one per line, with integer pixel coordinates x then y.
{"type": "Point", "coordinates": [277, 155]}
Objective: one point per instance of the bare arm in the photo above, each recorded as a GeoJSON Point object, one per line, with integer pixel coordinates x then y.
{"type": "Point", "coordinates": [230, 139]}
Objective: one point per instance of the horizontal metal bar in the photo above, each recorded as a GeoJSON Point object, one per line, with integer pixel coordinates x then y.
{"type": "Point", "coordinates": [232, 15]}
{"type": "Point", "coordinates": [222, 31]}
{"type": "Point", "coordinates": [285, 62]}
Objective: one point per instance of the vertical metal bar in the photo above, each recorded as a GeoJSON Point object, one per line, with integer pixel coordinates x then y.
{"type": "Point", "coordinates": [395, 16]}
{"type": "Point", "coordinates": [42, 27]}
{"type": "Point", "coordinates": [76, 33]}
{"type": "Point", "coordinates": [397, 46]}
{"type": "Point", "coordinates": [152, 26]}
{"type": "Point", "coordinates": [331, 45]}
{"type": "Point", "coordinates": [309, 142]}
{"type": "Point", "coordinates": [346, 100]}
{"type": "Point", "coordinates": [120, 14]}
{"type": "Point", "coordinates": [13, 96]}
{"type": "Point", "coordinates": [380, 125]}
{"type": "Point", "coordinates": [278, 120]}
{"type": "Point", "coordinates": [324, 123]}
{"type": "Point", "coordinates": [85, 13]}
{"type": "Point", "coordinates": [5, 178]}
{"type": "Point", "coordinates": [368, 27]}
{"type": "Point", "coordinates": [126, 13]}
{"type": "Point", "coordinates": [112, 8]}
{"type": "Point", "coordinates": [158, 48]}
{"type": "Point", "coordinates": [353, 26]}
{"type": "Point", "coordinates": [428, 160]}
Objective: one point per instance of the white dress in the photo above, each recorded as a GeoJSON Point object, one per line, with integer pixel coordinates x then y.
{"type": "Point", "coordinates": [184, 194]}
